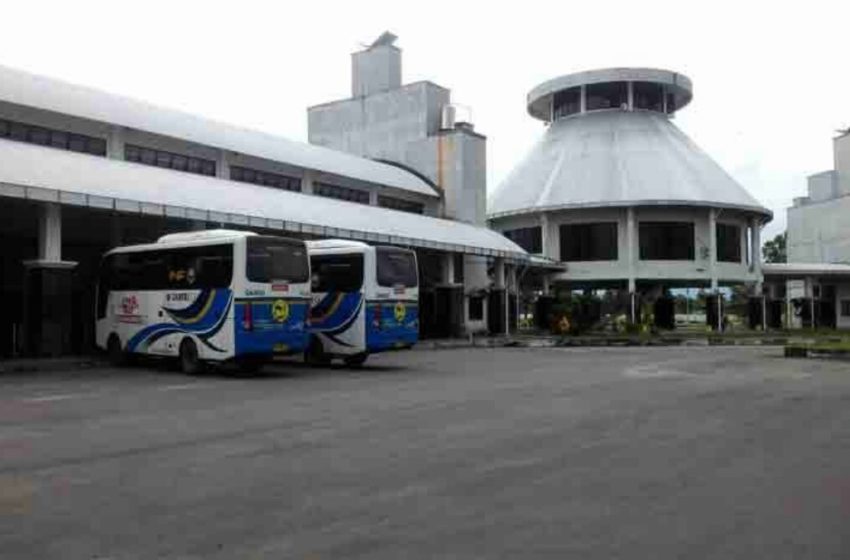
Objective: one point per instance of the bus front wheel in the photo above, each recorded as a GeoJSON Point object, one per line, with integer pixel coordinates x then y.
{"type": "Point", "coordinates": [190, 363]}
{"type": "Point", "coordinates": [115, 352]}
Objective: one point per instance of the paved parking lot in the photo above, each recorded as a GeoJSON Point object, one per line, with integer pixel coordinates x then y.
{"type": "Point", "coordinates": [509, 453]}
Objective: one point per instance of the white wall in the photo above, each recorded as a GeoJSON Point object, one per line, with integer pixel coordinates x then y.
{"type": "Point", "coordinates": [820, 232]}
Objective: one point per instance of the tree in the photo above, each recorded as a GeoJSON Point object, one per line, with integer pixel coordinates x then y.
{"type": "Point", "coordinates": [774, 249]}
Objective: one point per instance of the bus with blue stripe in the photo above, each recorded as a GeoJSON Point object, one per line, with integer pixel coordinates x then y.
{"type": "Point", "coordinates": [365, 300]}
{"type": "Point", "coordinates": [209, 296]}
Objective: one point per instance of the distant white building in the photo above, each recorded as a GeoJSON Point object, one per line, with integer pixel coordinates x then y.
{"type": "Point", "coordinates": [819, 223]}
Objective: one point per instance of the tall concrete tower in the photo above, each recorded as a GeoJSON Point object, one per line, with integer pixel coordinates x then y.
{"type": "Point", "coordinates": [410, 125]}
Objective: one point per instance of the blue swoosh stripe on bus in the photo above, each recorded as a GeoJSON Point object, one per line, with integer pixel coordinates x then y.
{"type": "Point", "coordinates": [346, 325]}
{"type": "Point", "coordinates": [203, 337]}
{"type": "Point", "coordinates": [347, 308]}
{"type": "Point", "coordinates": [208, 325]}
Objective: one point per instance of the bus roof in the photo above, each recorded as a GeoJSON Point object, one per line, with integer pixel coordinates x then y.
{"type": "Point", "coordinates": [337, 244]}
{"type": "Point", "coordinates": [206, 235]}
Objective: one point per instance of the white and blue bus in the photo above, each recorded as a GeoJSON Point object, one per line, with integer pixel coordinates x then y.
{"type": "Point", "coordinates": [208, 296]}
{"type": "Point", "coordinates": [365, 300]}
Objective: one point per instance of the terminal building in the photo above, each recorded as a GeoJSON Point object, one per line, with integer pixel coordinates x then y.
{"type": "Point", "coordinates": [82, 171]}
{"type": "Point", "coordinates": [623, 198]}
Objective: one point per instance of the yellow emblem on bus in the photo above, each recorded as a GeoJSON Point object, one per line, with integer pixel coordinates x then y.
{"type": "Point", "coordinates": [400, 311]}
{"type": "Point", "coordinates": [280, 310]}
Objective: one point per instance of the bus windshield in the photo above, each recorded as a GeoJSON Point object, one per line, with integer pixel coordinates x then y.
{"type": "Point", "coordinates": [396, 267]}
{"type": "Point", "coordinates": [272, 259]}
{"type": "Point", "coordinates": [337, 273]}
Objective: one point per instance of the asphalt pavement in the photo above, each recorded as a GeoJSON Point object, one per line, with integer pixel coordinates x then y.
{"type": "Point", "coordinates": [463, 454]}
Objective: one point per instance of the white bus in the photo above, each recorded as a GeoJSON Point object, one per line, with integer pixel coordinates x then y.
{"type": "Point", "coordinates": [208, 296]}
{"type": "Point", "coordinates": [365, 300]}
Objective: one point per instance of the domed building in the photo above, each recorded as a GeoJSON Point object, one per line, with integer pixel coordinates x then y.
{"type": "Point", "coordinates": [621, 196]}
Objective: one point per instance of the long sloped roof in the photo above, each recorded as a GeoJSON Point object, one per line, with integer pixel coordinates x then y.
{"type": "Point", "coordinates": [617, 158]}
{"type": "Point", "coordinates": [47, 174]}
{"type": "Point", "coordinates": [27, 89]}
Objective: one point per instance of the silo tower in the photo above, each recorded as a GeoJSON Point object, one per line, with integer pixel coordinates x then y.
{"type": "Point", "coordinates": [621, 196]}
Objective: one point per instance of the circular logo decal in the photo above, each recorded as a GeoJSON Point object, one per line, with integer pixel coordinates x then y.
{"type": "Point", "coordinates": [400, 311]}
{"type": "Point", "coordinates": [280, 310]}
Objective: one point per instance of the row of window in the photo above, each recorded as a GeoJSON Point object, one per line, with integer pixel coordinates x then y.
{"type": "Point", "coordinates": [74, 142]}
{"type": "Point", "coordinates": [341, 193]}
{"type": "Point", "coordinates": [612, 95]}
{"type": "Point", "coordinates": [265, 178]}
{"type": "Point", "coordinates": [60, 139]}
{"type": "Point", "coordinates": [401, 204]}
{"type": "Point", "coordinates": [169, 160]}
{"type": "Point", "coordinates": [662, 241]}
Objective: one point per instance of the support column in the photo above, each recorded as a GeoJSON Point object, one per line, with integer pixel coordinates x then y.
{"type": "Point", "coordinates": [631, 237]}
{"type": "Point", "coordinates": [755, 252]}
{"type": "Point", "coordinates": [515, 307]}
{"type": "Point", "coordinates": [373, 197]}
{"type": "Point", "coordinates": [811, 294]}
{"type": "Point", "coordinates": [48, 290]}
{"type": "Point", "coordinates": [497, 301]}
{"type": "Point", "coordinates": [450, 301]}
{"type": "Point", "coordinates": [712, 255]}
{"type": "Point", "coordinates": [544, 235]}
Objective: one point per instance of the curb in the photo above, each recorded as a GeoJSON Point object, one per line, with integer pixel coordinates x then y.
{"type": "Point", "coordinates": [43, 365]}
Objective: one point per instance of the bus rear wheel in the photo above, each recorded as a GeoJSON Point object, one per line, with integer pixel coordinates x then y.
{"type": "Point", "coordinates": [356, 360]}
{"type": "Point", "coordinates": [315, 354]}
{"type": "Point", "coordinates": [190, 363]}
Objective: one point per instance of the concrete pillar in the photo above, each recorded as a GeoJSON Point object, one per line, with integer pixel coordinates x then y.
{"type": "Point", "coordinates": [810, 292]}
{"type": "Point", "coordinates": [50, 232]}
{"type": "Point", "coordinates": [544, 234]}
{"type": "Point", "coordinates": [497, 317]}
{"type": "Point", "coordinates": [499, 274]}
{"type": "Point", "coordinates": [115, 143]}
{"type": "Point", "coordinates": [48, 290]}
{"type": "Point", "coordinates": [712, 248]}
{"type": "Point", "coordinates": [546, 284]}
{"type": "Point", "coordinates": [373, 197]}
{"type": "Point", "coordinates": [511, 271]}
{"type": "Point", "coordinates": [631, 94]}
{"type": "Point", "coordinates": [755, 252]}
{"type": "Point", "coordinates": [583, 99]}
{"type": "Point", "coordinates": [631, 258]}
{"type": "Point", "coordinates": [222, 165]}
{"type": "Point", "coordinates": [448, 268]}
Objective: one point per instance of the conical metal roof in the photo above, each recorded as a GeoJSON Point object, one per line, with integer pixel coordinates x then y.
{"type": "Point", "coordinates": [617, 158]}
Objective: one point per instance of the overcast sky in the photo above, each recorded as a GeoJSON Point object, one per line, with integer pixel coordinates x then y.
{"type": "Point", "coordinates": [771, 84]}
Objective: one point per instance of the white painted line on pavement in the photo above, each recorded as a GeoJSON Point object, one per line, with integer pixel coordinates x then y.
{"type": "Point", "coordinates": [54, 398]}
{"type": "Point", "coordinates": [186, 386]}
